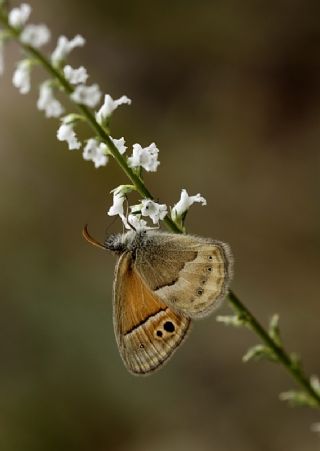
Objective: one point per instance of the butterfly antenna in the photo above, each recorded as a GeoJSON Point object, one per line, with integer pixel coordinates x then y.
{"type": "Point", "coordinates": [91, 240]}
{"type": "Point", "coordinates": [127, 213]}
{"type": "Point", "coordinates": [110, 225]}
{"type": "Point", "coordinates": [127, 218]}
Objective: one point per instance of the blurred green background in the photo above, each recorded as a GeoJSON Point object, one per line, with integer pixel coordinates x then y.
{"type": "Point", "coordinates": [230, 92]}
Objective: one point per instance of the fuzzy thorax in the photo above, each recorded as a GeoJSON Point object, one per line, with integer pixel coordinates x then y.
{"type": "Point", "coordinates": [122, 242]}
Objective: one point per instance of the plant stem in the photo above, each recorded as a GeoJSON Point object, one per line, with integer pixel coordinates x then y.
{"type": "Point", "coordinates": [283, 357]}
{"type": "Point", "coordinates": [279, 351]}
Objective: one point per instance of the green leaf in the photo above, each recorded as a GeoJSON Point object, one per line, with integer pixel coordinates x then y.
{"type": "Point", "coordinates": [315, 384]}
{"type": "Point", "coordinates": [259, 352]}
{"type": "Point", "coordinates": [274, 330]}
{"type": "Point", "coordinates": [298, 398]}
{"type": "Point", "coordinates": [124, 189]}
{"type": "Point", "coordinates": [138, 171]}
{"type": "Point", "coordinates": [178, 220]}
{"type": "Point", "coordinates": [231, 320]}
{"type": "Point", "coordinates": [295, 360]}
{"type": "Point", "coordinates": [73, 118]}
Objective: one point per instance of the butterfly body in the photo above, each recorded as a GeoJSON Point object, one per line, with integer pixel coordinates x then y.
{"type": "Point", "coordinates": [162, 281]}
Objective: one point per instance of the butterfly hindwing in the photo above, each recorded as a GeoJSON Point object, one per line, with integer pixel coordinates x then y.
{"type": "Point", "coordinates": [146, 328]}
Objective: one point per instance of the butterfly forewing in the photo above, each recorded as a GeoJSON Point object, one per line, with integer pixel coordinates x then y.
{"type": "Point", "coordinates": [146, 328]}
{"type": "Point", "coordinates": [190, 274]}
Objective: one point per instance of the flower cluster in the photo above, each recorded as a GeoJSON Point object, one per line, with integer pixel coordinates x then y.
{"type": "Point", "coordinates": [98, 149]}
{"type": "Point", "coordinates": [148, 208]}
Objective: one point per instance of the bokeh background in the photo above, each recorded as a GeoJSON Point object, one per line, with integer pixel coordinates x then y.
{"type": "Point", "coordinates": [230, 92]}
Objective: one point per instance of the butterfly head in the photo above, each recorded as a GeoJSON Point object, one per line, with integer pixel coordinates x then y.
{"type": "Point", "coordinates": [120, 242]}
{"type": "Point", "coordinates": [116, 243]}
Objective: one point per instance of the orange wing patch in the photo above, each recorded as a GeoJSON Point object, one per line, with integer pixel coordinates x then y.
{"type": "Point", "coordinates": [147, 330]}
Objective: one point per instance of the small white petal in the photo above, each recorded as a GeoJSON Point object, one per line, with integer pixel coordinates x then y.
{"type": "Point", "coordinates": [146, 157]}
{"type": "Point", "coordinates": [185, 203]}
{"type": "Point", "coordinates": [135, 221]}
{"type": "Point", "coordinates": [67, 133]}
{"type": "Point", "coordinates": [21, 77]}
{"type": "Point", "coordinates": [87, 95]}
{"type": "Point", "coordinates": [120, 144]}
{"type": "Point", "coordinates": [19, 16]}
{"type": "Point", "coordinates": [154, 211]}
{"type": "Point", "coordinates": [47, 102]}
{"type": "Point", "coordinates": [75, 76]}
{"type": "Point", "coordinates": [65, 46]}
{"type": "Point", "coordinates": [96, 152]}
{"type": "Point", "coordinates": [117, 206]}
{"type": "Point", "coordinates": [35, 35]}
{"type": "Point", "coordinates": [109, 106]}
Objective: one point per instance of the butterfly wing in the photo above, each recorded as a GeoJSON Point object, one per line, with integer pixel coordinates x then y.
{"type": "Point", "coordinates": [189, 274]}
{"type": "Point", "coordinates": [147, 330]}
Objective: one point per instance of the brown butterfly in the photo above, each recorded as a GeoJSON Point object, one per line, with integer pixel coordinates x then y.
{"type": "Point", "coordinates": [162, 281]}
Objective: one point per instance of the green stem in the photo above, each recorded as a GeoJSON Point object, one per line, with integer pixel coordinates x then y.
{"type": "Point", "coordinates": [281, 354]}
{"type": "Point", "coordinates": [279, 351]}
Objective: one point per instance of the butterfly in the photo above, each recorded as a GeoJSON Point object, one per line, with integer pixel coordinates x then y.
{"type": "Point", "coordinates": [162, 282]}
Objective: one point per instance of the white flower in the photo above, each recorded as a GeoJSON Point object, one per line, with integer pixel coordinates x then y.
{"type": "Point", "coordinates": [64, 47]}
{"type": "Point", "coordinates": [146, 157]}
{"type": "Point", "coordinates": [120, 144]}
{"type": "Point", "coordinates": [185, 203]}
{"type": "Point", "coordinates": [21, 76]}
{"type": "Point", "coordinates": [75, 76]}
{"type": "Point", "coordinates": [109, 106]}
{"type": "Point", "coordinates": [146, 208]}
{"type": "Point", "coordinates": [35, 35]}
{"type": "Point", "coordinates": [117, 206]}
{"type": "Point", "coordinates": [96, 152]}
{"type": "Point", "coordinates": [66, 133]}
{"type": "Point", "coordinates": [153, 210]}
{"type": "Point", "coordinates": [19, 16]}
{"type": "Point", "coordinates": [135, 222]}
{"type": "Point", "coordinates": [47, 102]}
{"type": "Point", "coordinates": [87, 95]}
